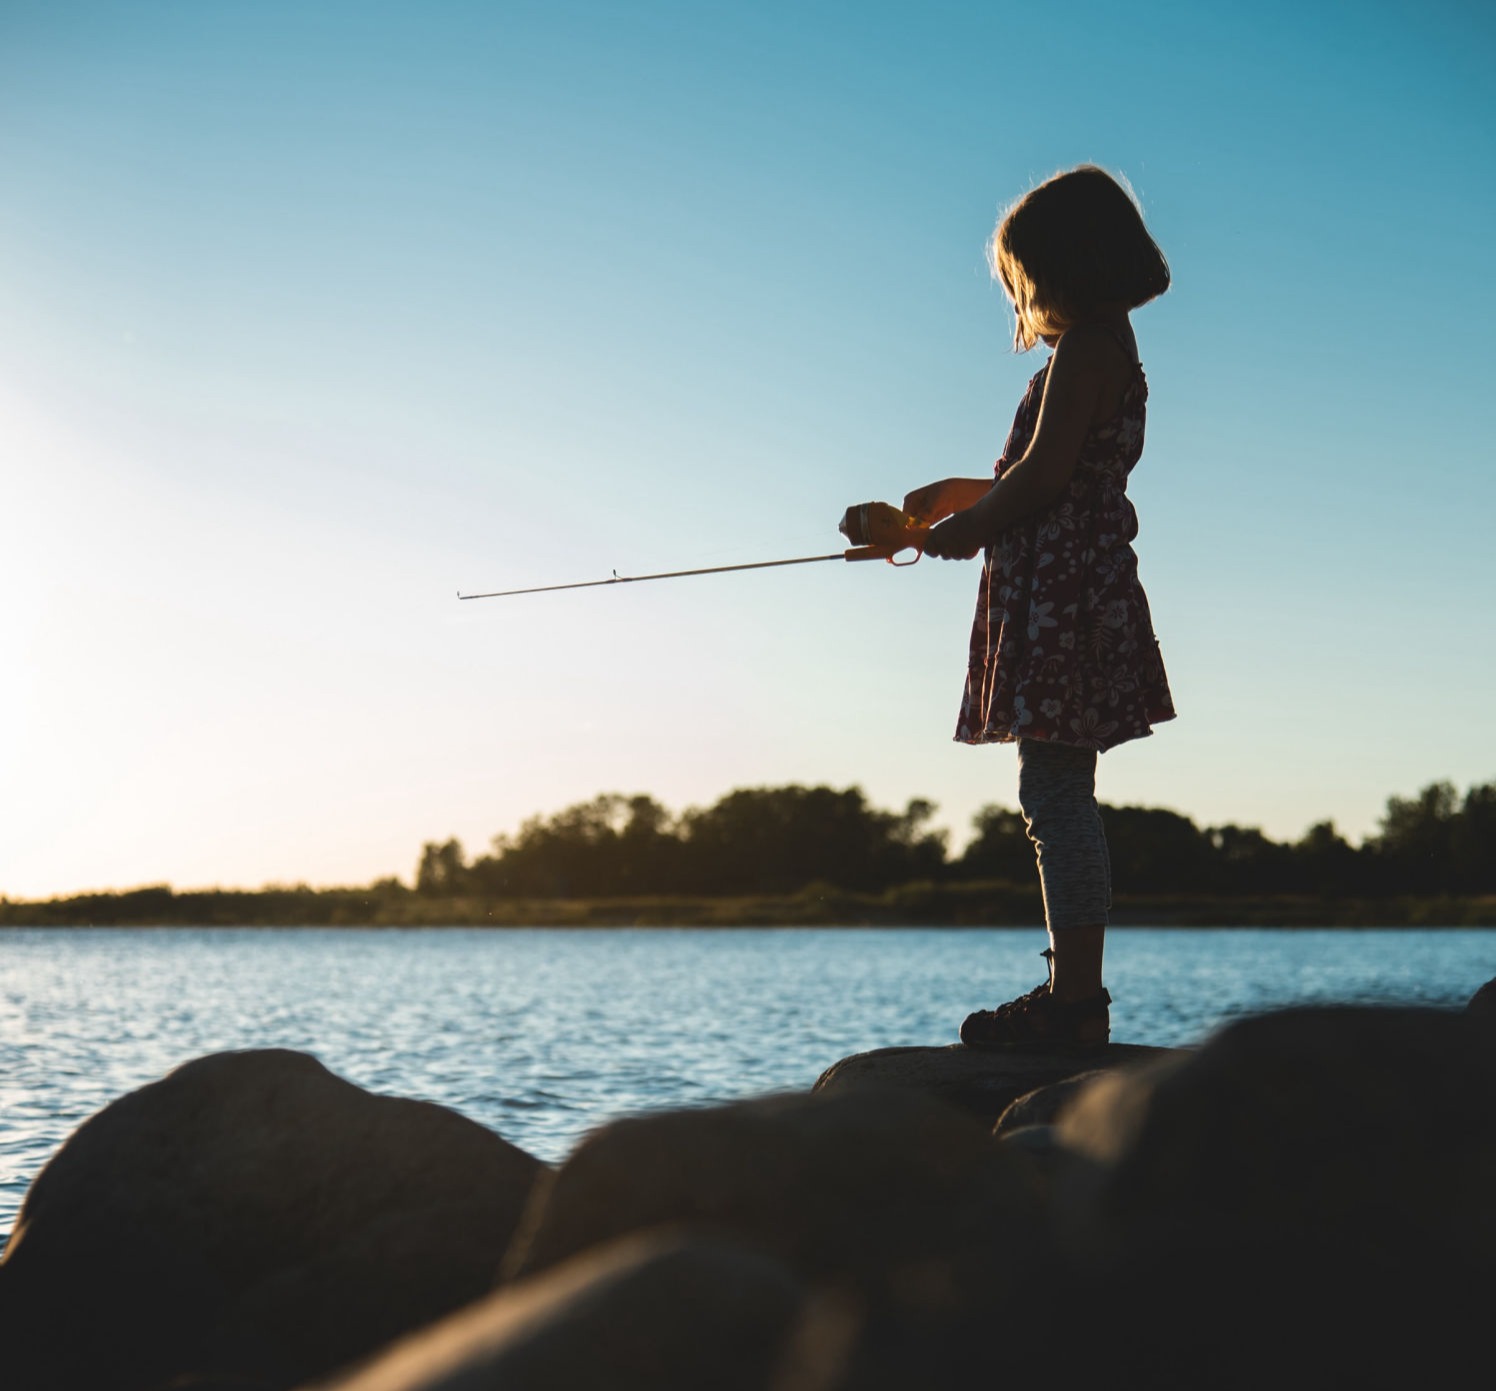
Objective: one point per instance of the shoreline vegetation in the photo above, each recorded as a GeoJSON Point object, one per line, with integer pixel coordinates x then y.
{"type": "Point", "coordinates": [799, 856]}
{"type": "Point", "coordinates": [994, 904]}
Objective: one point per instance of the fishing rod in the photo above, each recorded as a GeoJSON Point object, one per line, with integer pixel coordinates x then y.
{"type": "Point", "coordinates": [877, 530]}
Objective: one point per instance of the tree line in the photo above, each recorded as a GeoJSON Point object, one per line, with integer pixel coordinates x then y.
{"type": "Point", "coordinates": [778, 840]}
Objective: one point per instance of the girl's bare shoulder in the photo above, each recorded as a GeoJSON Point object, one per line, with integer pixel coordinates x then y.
{"type": "Point", "coordinates": [1096, 360]}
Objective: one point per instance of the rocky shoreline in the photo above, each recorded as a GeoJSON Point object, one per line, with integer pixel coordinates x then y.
{"type": "Point", "coordinates": [1306, 1198]}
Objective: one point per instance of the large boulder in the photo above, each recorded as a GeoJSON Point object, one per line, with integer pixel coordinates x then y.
{"type": "Point", "coordinates": [832, 1185]}
{"type": "Point", "coordinates": [912, 1224]}
{"type": "Point", "coordinates": [983, 1081]}
{"type": "Point", "coordinates": [1308, 1196]}
{"type": "Point", "coordinates": [250, 1215]}
{"type": "Point", "coordinates": [649, 1313]}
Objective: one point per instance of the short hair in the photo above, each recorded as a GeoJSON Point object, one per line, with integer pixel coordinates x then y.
{"type": "Point", "coordinates": [1075, 242]}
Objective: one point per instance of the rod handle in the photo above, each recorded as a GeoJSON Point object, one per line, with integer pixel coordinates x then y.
{"type": "Point", "coordinates": [880, 530]}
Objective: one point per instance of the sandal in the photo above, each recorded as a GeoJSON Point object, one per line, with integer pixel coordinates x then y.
{"type": "Point", "coordinates": [1038, 1022]}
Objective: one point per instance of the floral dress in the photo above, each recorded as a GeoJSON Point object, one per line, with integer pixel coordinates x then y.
{"type": "Point", "coordinates": [1062, 647]}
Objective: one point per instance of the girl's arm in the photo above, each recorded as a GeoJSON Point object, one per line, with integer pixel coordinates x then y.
{"type": "Point", "coordinates": [1084, 362]}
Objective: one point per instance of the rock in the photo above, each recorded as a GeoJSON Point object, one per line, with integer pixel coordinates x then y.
{"type": "Point", "coordinates": [843, 1185]}
{"type": "Point", "coordinates": [1043, 1105]}
{"type": "Point", "coordinates": [1056, 1168]}
{"type": "Point", "coordinates": [649, 1313]}
{"type": "Point", "coordinates": [250, 1216]}
{"type": "Point", "coordinates": [1307, 1119]}
{"type": "Point", "coordinates": [935, 1338]}
{"type": "Point", "coordinates": [1315, 1180]}
{"type": "Point", "coordinates": [1482, 1008]}
{"type": "Point", "coordinates": [982, 1081]}
{"type": "Point", "coordinates": [901, 1212]}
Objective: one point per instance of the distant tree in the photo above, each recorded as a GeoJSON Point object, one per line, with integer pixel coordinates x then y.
{"type": "Point", "coordinates": [1414, 848]}
{"type": "Point", "coordinates": [914, 850]}
{"type": "Point", "coordinates": [778, 839]}
{"type": "Point", "coordinates": [751, 840]}
{"type": "Point", "coordinates": [155, 903]}
{"type": "Point", "coordinates": [1324, 862]}
{"type": "Point", "coordinates": [1473, 842]}
{"type": "Point", "coordinates": [442, 871]}
{"type": "Point", "coordinates": [1000, 849]}
{"type": "Point", "coordinates": [1437, 842]}
{"type": "Point", "coordinates": [607, 846]}
{"type": "Point", "coordinates": [1245, 861]}
{"type": "Point", "coordinates": [1158, 851]}
{"type": "Point", "coordinates": [650, 853]}
{"type": "Point", "coordinates": [554, 857]}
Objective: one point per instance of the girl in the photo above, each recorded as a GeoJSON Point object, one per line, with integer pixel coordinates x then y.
{"type": "Point", "coordinates": [1063, 658]}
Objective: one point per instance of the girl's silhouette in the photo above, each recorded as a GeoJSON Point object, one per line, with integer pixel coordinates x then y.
{"type": "Point", "coordinates": [1063, 659]}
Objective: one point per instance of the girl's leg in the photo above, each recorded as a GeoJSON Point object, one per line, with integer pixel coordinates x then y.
{"type": "Point", "coordinates": [1057, 794]}
{"type": "Point", "coordinates": [1075, 962]}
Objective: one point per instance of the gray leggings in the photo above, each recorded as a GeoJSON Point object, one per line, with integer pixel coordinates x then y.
{"type": "Point", "coordinates": [1057, 793]}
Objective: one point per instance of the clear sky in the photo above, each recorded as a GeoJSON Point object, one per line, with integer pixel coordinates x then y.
{"type": "Point", "coordinates": [312, 314]}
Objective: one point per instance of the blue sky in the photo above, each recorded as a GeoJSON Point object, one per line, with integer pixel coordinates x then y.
{"type": "Point", "coordinates": [313, 314]}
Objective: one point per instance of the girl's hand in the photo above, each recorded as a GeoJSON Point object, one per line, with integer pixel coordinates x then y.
{"type": "Point", "coordinates": [956, 538]}
{"type": "Point", "coordinates": [936, 500]}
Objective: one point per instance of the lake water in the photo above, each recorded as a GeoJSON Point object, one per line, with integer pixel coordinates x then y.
{"type": "Point", "coordinates": [542, 1034]}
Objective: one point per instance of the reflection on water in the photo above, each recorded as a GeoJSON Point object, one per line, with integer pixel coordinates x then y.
{"type": "Point", "coordinates": [542, 1034]}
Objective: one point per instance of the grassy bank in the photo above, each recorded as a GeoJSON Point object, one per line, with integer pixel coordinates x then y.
{"type": "Point", "coordinates": [972, 904]}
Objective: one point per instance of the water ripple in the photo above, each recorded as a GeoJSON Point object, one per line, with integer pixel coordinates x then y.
{"type": "Point", "coordinates": [542, 1035]}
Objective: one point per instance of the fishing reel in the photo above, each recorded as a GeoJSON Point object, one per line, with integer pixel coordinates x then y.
{"type": "Point", "coordinates": [879, 531]}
